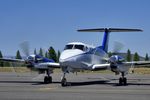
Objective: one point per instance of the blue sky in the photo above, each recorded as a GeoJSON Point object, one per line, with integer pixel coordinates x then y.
{"type": "Point", "coordinates": [46, 23]}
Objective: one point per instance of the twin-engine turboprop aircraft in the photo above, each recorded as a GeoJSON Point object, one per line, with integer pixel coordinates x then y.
{"type": "Point", "coordinates": [79, 56]}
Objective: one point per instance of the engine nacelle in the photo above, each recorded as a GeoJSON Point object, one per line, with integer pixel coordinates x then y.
{"type": "Point", "coordinates": [29, 64]}
{"type": "Point", "coordinates": [115, 60]}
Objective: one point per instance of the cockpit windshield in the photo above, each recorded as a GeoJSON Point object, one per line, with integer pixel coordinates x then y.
{"type": "Point", "coordinates": [75, 46]}
{"type": "Point", "coordinates": [68, 47]}
{"type": "Point", "coordinates": [80, 47]}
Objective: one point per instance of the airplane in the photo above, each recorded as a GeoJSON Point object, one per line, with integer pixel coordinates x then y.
{"type": "Point", "coordinates": [78, 56]}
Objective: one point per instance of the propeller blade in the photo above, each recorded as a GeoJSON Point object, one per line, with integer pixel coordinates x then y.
{"type": "Point", "coordinates": [25, 48]}
{"type": "Point", "coordinates": [117, 47]}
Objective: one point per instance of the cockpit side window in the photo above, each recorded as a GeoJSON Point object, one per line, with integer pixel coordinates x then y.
{"type": "Point", "coordinates": [30, 58]}
{"type": "Point", "coordinates": [80, 47]}
{"type": "Point", "coordinates": [68, 47]}
{"type": "Point", "coordinates": [85, 48]}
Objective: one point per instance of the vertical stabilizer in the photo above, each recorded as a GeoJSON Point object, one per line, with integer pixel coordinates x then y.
{"type": "Point", "coordinates": [105, 40]}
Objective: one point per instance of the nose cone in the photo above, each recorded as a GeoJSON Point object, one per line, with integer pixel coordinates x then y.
{"type": "Point", "coordinates": [69, 55]}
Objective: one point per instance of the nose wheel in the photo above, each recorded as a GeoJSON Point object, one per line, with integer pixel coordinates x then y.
{"type": "Point", "coordinates": [64, 82]}
{"type": "Point", "coordinates": [122, 81]}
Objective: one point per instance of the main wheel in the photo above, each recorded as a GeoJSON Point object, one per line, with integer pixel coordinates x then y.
{"type": "Point", "coordinates": [125, 81]}
{"type": "Point", "coordinates": [64, 82]}
{"type": "Point", "coordinates": [49, 79]}
{"type": "Point", "coordinates": [120, 81]}
{"type": "Point", "coordinates": [46, 79]}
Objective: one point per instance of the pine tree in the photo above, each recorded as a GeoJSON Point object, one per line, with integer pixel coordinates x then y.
{"type": "Point", "coordinates": [146, 57]}
{"type": "Point", "coordinates": [41, 52]}
{"type": "Point", "coordinates": [35, 51]}
{"type": "Point", "coordinates": [1, 63]}
{"type": "Point", "coordinates": [128, 57]}
{"type": "Point", "coordinates": [52, 54]}
{"type": "Point", "coordinates": [1, 56]}
{"type": "Point", "coordinates": [18, 56]}
{"type": "Point", "coordinates": [46, 54]}
{"type": "Point", "coordinates": [136, 57]}
{"type": "Point", "coordinates": [109, 54]}
{"type": "Point", "coordinates": [58, 55]}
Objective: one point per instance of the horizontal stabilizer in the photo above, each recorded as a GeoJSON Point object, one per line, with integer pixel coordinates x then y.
{"type": "Point", "coordinates": [110, 30]}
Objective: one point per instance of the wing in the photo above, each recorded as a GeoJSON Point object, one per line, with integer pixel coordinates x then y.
{"type": "Point", "coordinates": [12, 60]}
{"type": "Point", "coordinates": [47, 65]}
{"type": "Point", "coordinates": [134, 63]}
{"type": "Point", "coordinates": [100, 66]}
{"type": "Point", "coordinates": [137, 63]}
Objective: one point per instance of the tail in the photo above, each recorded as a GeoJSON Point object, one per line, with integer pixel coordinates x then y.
{"type": "Point", "coordinates": [105, 40]}
{"type": "Point", "coordinates": [106, 34]}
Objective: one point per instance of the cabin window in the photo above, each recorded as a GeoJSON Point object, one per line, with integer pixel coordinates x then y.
{"type": "Point", "coordinates": [68, 47]}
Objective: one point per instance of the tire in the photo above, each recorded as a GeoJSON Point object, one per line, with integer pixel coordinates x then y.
{"type": "Point", "coordinates": [49, 79]}
{"type": "Point", "coordinates": [120, 81]}
{"type": "Point", "coordinates": [63, 82]}
{"type": "Point", "coordinates": [46, 79]}
{"type": "Point", "coordinates": [125, 81]}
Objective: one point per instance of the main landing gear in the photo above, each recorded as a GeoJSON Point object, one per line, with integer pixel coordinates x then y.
{"type": "Point", "coordinates": [123, 79]}
{"type": "Point", "coordinates": [48, 78]}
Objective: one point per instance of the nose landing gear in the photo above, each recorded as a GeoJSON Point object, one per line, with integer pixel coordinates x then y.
{"type": "Point", "coordinates": [63, 81]}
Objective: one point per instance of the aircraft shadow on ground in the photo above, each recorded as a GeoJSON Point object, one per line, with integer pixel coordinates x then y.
{"type": "Point", "coordinates": [32, 82]}
{"type": "Point", "coordinates": [101, 82]}
{"type": "Point", "coordinates": [87, 83]}
{"type": "Point", "coordinates": [108, 82]}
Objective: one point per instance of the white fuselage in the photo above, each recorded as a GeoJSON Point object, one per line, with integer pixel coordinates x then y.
{"type": "Point", "coordinates": [79, 56]}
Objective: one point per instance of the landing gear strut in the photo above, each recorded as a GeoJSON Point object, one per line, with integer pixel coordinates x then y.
{"type": "Point", "coordinates": [122, 80]}
{"type": "Point", "coordinates": [48, 78]}
{"type": "Point", "coordinates": [63, 81]}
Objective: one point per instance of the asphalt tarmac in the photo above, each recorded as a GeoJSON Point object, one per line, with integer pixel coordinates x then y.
{"type": "Point", "coordinates": [86, 86]}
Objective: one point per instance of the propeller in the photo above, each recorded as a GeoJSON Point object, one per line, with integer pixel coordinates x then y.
{"type": "Point", "coordinates": [25, 48]}
{"type": "Point", "coordinates": [26, 61]}
{"type": "Point", "coordinates": [117, 47]}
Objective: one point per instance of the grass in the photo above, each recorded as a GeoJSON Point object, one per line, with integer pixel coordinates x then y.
{"type": "Point", "coordinates": [16, 69]}
{"type": "Point", "coordinates": [141, 70]}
